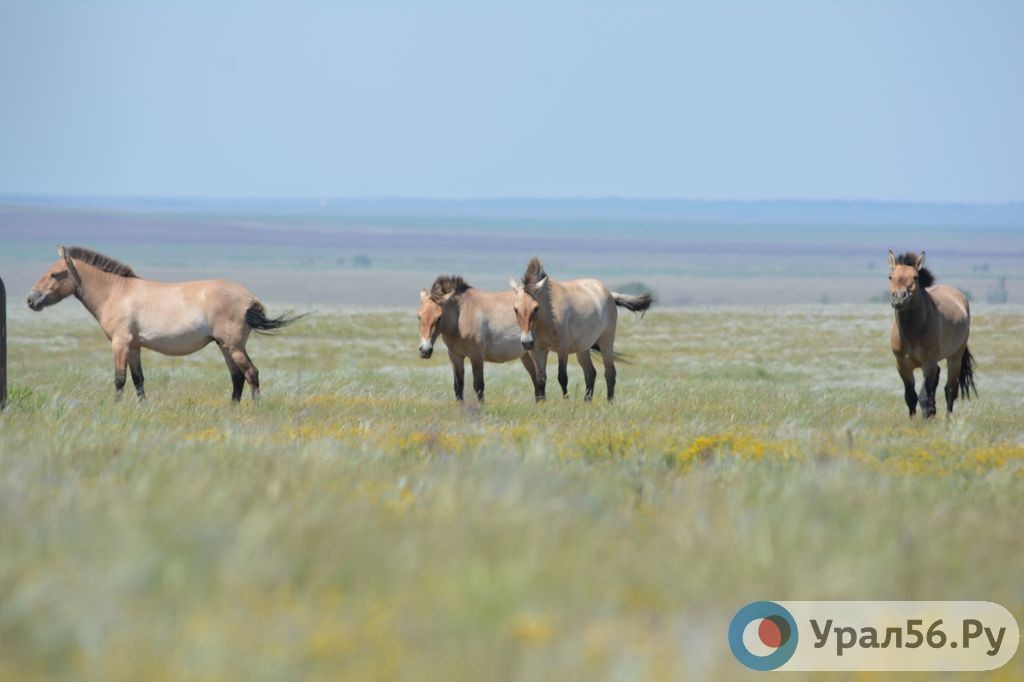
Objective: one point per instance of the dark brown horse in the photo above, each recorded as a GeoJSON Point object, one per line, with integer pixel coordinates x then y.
{"type": "Point", "coordinates": [932, 323]}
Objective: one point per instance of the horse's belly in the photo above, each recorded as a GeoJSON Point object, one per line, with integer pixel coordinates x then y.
{"type": "Point", "coordinates": [505, 350]}
{"type": "Point", "coordinates": [176, 344]}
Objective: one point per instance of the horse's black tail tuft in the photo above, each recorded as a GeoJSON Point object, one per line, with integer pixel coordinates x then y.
{"type": "Point", "coordinates": [965, 382]}
{"type": "Point", "coordinates": [257, 320]}
{"type": "Point", "coordinates": [638, 304]}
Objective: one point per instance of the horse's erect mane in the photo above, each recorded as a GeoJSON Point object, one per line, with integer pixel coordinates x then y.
{"type": "Point", "coordinates": [534, 273]}
{"type": "Point", "coordinates": [925, 277]}
{"type": "Point", "coordinates": [447, 284]}
{"type": "Point", "coordinates": [98, 260]}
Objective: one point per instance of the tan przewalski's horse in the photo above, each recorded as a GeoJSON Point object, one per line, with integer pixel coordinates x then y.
{"type": "Point", "coordinates": [571, 317]}
{"type": "Point", "coordinates": [173, 319]}
{"type": "Point", "coordinates": [474, 324]}
{"type": "Point", "coordinates": [932, 323]}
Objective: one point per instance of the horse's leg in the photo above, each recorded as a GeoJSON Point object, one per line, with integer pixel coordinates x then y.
{"type": "Point", "coordinates": [607, 345]}
{"type": "Point", "coordinates": [458, 372]}
{"type": "Point", "coordinates": [477, 363]}
{"type": "Point", "coordinates": [563, 373]}
{"type": "Point", "coordinates": [244, 363]}
{"type": "Point", "coordinates": [531, 369]}
{"type": "Point", "coordinates": [589, 373]}
{"type": "Point", "coordinates": [135, 365]}
{"type": "Point", "coordinates": [909, 392]}
{"type": "Point", "coordinates": [237, 376]}
{"type": "Point", "coordinates": [120, 367]}
{"type": "Point", "coordinates": [540, 365]}
{"type": "Point", "coordinates": [953, 363]}
{"type": "Point", "coordinates": [931, 384]}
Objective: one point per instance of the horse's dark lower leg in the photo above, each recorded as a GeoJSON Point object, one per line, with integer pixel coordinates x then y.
{"type": "Point", "coordinates": [953, 365]}
{"type": "Point", "coordinates": [589, 373]}
{"type": "Point", "coordinates": [242, 361]}
{"type": "Point", "coordinates": [478, 378]}
{"type": "Point", "coordinates": [906, 373]}
{"type": "Point", "coordinates": [910, 395]}
{"type": "Point", "coordinates": [120, 370]}
{"type": "Point", "coordinates": [458, 376]}
{"type": "Point", "coordinates": [609, 378]}
{"type": "Point", "coordinates": [931, 384]}
{"type": "Point", "coordinates": [540, 366]}
{"type": "Point", "coordinates": [135, 365]}
{"type": "Point", "coordinates": [563, 374]}
{"type": "Point", "coordinates": [237, 375]}
{"type": "Point", "coordinates": [531, 369]}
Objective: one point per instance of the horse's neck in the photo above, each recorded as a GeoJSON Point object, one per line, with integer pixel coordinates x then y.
{"type": "Point", "coordinates": [450, 317]}
{"type": "Point", "coordinates": [547, 298]}
{"type": "Point", "coordinates": [913, 321]}
{"type": "Point", "coordinates": [95, 288]}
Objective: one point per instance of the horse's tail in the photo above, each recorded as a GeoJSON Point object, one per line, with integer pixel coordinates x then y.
{"type": "Point", "coordinates": [257, 320]}
{"type": "Point", "coordinates": [965, 382]}
{"type": "Point", "coordinates": [638, 304]}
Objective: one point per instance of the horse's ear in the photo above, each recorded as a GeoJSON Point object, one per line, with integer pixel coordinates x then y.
{"type": "Point", "coordinates": [541, 284]}
{"type": "Point", "coordinates": [447, 297]}
{"type": "Point", "coordinates": [424, 294]}
{"type": "Point", "coordinates": [513, 283]}
{"type": "Point", "coordinates": [61, 253]}
{"type": "Point", "coordinates": [892, 260]}
{"type": "Point", "coordinates": [919, 263]}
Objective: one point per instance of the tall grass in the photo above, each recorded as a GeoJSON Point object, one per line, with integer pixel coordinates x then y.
{"type": "Point", "coordinates": [358, 523]}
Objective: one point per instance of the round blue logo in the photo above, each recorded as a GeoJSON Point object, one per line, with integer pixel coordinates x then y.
{"type": "Point", "coordinates": [763, 635]}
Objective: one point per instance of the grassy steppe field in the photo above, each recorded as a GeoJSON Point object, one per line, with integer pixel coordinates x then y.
{"type": "Point", "coordinates": [359, 524]}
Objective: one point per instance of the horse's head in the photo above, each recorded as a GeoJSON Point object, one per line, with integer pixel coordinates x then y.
{"type": "Point", "coordinates": [527, 307]}
{"type": "Point", "coordinates": [904, 278]}
{"type": "Point", "coordinates": [430, 314]}
{"type": "Point", "coordinates": [56, 284]}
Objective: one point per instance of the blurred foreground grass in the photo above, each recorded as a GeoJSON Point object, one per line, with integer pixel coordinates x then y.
{"type": "Point", "coordinates": [358, 524]}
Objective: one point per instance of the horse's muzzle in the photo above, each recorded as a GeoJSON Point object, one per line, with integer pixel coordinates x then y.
{"type": "Point", "coordinates": [34, 300]}
{"type": "Point", "coordinates": [899, 300]}
{"type": "Point", "coordinates": [426, 352]}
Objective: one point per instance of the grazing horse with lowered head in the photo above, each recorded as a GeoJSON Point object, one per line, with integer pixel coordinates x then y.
{"type": "Point", "coordinates": [172, 319]}
{"type": "Point", "coordinates": [474, 324]}
{"type": "Point", "coordinates": [571, 317]}
{"type": "Point", "coordinates": [932, 323]}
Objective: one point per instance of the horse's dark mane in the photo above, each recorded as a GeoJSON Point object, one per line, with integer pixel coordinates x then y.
{"type": "Point", "coordinates": [98, 260]}
{"type": "Point", "coordinates": [447, 284]}
{"type": "Point", "coordinates": [534, 273]}
{"type": "Point", "coordinates": [925, 278]}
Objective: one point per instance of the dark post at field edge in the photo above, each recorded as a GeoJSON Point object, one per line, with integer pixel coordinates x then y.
{"type": "Point", "coordinates": [3, 345]}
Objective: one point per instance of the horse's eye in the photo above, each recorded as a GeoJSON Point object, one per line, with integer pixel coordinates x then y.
{"type": "Point", "coordinates": [515, 309]}
{"type": "Point", "coordinates": [890, 277]}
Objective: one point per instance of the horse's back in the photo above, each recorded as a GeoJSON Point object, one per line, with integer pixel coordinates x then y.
{"type": "Point", "coordinates": [952, 303]}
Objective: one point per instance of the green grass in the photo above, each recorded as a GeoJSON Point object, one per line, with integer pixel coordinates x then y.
{"type": "Point", "coordinates": [358, 524]}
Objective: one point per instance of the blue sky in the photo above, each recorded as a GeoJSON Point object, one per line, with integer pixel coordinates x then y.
{"type": "Point", "coordinates": [913, 100]}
